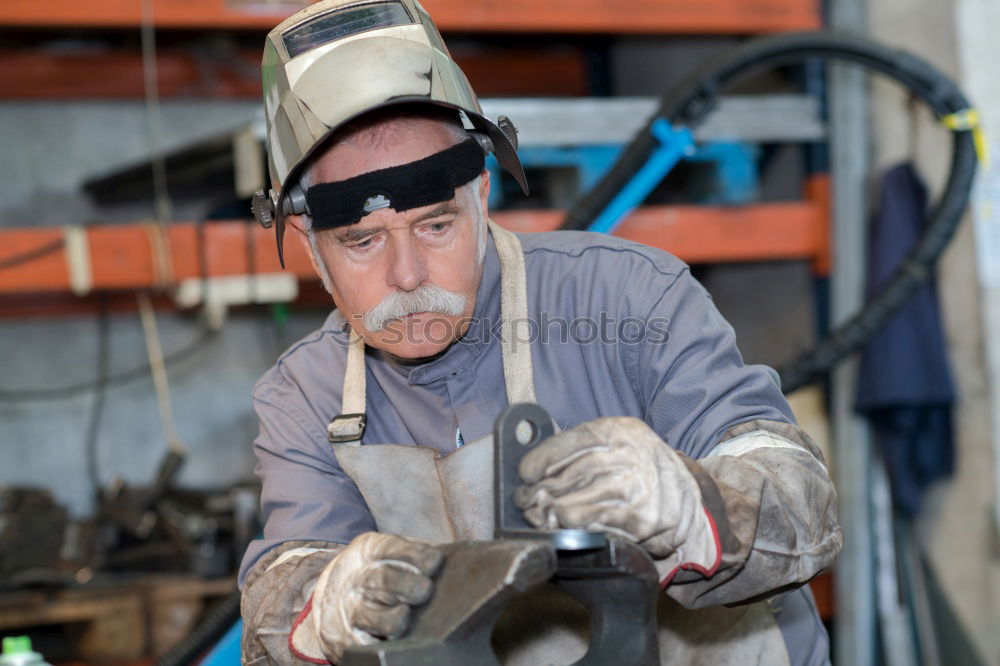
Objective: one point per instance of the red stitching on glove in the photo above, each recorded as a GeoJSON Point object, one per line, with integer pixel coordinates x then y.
{"type": "Point", "coordinates": [298, 620]}
{"type": "Point", "coordinates": [691, 566]}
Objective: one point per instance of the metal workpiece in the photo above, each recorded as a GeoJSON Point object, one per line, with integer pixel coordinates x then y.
{"type": "Point", "coordinates": [618, 584]}
{"type": "Point", "coordinates": [615, 579]}
{"type": "Point", "coordinates": [519, 428]}
{"type": "Point", "coordinates": [477, 581]}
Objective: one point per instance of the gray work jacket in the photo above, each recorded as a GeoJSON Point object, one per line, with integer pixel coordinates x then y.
{"type": "Point", "coordinates": [618, 329]}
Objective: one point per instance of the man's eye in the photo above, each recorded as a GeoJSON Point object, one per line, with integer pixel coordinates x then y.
{"type": "Point", "coordinates": [362, 244]}
{"type": "Point", "coordinates": [438, 227]}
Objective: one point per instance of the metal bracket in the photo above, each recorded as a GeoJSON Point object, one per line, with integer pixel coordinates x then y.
{"type": "Point", "coordinates": [518, 429]}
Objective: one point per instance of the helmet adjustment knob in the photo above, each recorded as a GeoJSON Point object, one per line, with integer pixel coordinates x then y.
{"type": "Point", "coordinates": [263, 206]}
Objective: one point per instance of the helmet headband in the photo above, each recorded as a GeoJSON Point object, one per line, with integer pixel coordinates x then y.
{"type": "Point", "coordinates": [423, 182]}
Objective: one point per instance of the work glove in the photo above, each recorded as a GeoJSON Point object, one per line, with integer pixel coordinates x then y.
{"type": "Point", "coordinates": [365, 595]}
{"type": "Point", "coordinates": [616, 475]}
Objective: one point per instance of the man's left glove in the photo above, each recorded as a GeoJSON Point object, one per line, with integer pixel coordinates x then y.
{"type": "Point", "coordinates": [365, 595]}
{"type": "Point", "coordinates": [616, 475]}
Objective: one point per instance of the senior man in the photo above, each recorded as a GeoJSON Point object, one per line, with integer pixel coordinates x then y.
{"type": "Point", "coordinates": [375, 429]}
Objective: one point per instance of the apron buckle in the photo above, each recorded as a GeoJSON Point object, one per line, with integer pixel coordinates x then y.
{"type": "Point", "coordinates": [346, 428]}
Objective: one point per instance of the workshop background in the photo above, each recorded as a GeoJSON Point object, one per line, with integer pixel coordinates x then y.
{"type": "Point", "coordinates": [139, 303]}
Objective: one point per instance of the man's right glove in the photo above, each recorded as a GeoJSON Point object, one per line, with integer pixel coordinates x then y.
{"type": "Point", "coordinates": [364, 595]}
{"type": "Point", "coordinates": [615, 474]}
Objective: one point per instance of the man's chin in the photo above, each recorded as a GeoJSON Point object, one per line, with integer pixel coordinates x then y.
{"type": "Point", "coordinates": [416, 353]}
{"type": "Point", "coordinates": [416, 337]}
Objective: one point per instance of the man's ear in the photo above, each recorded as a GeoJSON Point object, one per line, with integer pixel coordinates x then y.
{"type": "Point", "coordinates": [484, 191]}
{"type": "Point", "coordinates": [298, 222]}
{"type": "Point", "coordinates": [299, 225]}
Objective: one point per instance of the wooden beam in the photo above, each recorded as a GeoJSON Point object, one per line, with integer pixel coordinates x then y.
{"type": "Point", "coordinates": [559, 16]}
{"type": "Point", "coordinates": [627, 16]}
{"type": "Point", "coordinates": [522, 72]}
{"type": "Point", "coordinates": [817, 190]}
{"type": "Point", "coordinates": [200, 14]}
{"type": "Point", "coordinates": [122, 256]}
{"type": "Point", "coordinates": [118, 74]}
{"type": "Point", "coordinates": [706, 234]}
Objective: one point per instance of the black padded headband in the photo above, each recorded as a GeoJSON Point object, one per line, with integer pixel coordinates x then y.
{"type": "Point", "coordinates": [421, 183]}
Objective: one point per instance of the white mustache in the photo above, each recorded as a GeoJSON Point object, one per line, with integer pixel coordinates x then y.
{"type": "Point", "coordinates": [426, 298]}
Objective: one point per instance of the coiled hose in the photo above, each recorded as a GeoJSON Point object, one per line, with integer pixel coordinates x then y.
{"type": "Point", "coordinates": [689, 103]}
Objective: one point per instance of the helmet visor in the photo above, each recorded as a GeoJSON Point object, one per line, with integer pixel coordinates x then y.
{"type": "Point", "coordinates": [337, 24]}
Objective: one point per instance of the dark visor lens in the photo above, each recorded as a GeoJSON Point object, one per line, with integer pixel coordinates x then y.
{"type": "Point", "coordinates": [342, 23]}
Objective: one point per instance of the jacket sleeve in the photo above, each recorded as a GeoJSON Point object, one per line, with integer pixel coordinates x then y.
{"type": "Point", "coordinates": [305, 495]}
{"type": "Point", "coordinates": [310, 507]}
{"type": "Point", "coordinates": [774, 509]}
{"type": "Point", "coordinates": [763, 481]}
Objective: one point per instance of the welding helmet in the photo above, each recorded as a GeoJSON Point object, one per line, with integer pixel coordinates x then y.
{"type": "Point", "coordinates": [338, 59]}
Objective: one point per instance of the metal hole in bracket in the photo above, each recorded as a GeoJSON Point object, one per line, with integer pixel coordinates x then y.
{"type": "Point", "coordinates": [524, 432]}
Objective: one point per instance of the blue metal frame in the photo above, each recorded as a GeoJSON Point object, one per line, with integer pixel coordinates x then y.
{"type": "Point", "coordinates": [735, 163]}
{"type": "Point", "coordinates": [227, 651]}
{"type": "Point", "coordinates": [675, 144]}
{"type": "Point", "coordinates": [735, 169]}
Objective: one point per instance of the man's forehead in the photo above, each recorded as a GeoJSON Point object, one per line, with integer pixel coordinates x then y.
{"type": "Point", "coordinates": [385, 146]}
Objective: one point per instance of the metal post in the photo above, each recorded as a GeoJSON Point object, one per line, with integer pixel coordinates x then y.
{"type": "Point", "coordinates": [854, 640]}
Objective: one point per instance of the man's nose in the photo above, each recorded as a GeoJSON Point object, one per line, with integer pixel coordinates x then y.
{"type": "Point", "coordinates": [408, 268]}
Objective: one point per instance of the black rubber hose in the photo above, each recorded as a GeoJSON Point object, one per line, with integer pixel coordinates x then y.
{"type": "Point", "coordinates": [216, 623]}
{"type": "Point", "coordinates": [689, 103]}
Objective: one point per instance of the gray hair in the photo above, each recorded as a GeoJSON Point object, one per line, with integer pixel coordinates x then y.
{"type": "Point", "coordinates": [324, 272]}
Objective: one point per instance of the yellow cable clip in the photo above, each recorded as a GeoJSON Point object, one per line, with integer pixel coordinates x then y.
{"type": "Point", "coordinates": [970, 120]}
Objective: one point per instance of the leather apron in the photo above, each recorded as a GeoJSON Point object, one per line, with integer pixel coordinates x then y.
{"type": "Point", "coordinates": [415, 491]}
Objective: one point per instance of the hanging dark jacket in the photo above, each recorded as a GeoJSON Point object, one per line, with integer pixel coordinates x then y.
{"type": "Point", "coordinates": [905, 386]}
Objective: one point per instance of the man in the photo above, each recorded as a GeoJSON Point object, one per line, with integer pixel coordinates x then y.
{"type": "Point", "coordinates": [374, 430]}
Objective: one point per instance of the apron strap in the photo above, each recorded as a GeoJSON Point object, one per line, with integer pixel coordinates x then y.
{"type": "Point", "coordinates": [515, 340]}
{"type": "Point", "coordinates": [349, 426]}
{"type": "Point", "coordinates": [518, 371]}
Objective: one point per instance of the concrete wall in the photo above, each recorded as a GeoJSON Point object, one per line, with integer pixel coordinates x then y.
{"type": "Point", "coordinates": [957, 528]}
{"type": "Point", "coordinates": [43, 442]}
